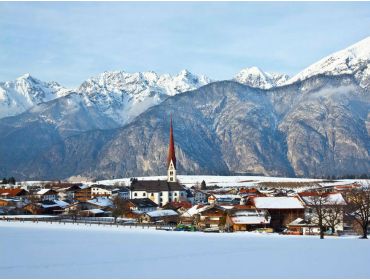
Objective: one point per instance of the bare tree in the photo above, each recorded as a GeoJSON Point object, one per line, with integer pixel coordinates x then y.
{"type": "Point", "coordinates": [118, 208]}
{"type": "Point", "coordinates": [333, 215]}
{"type": "Point", "coordinates": [359, 207]}
{"type": "Point", "coordinates": [318, 202]}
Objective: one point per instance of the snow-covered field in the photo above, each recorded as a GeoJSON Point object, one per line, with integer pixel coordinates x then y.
{"type": "Point", "coordinates": [222, 181]}
{"type": "Point", "coordinates": [42, 250]}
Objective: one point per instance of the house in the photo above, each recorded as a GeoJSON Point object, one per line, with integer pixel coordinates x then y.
{"type": "Point", "coordinates": [16, 192]}
{"type": "Point", "coordinates": [141, 205]}
{"type": "Point", "coordinates": [83, 194]}
{"type": "Point", "coordinates": [247, 219]}
{"type": "Point", "coordinates": [69, 192]}
{"type": "Point", "coordinates": [301, 226]}
{"type": "Point", "coordinates": [190, 216]}
{"type": "Point", "coordinates": [47, 194]}
{"type": "Point", "coordinates": [101, 190]}
{"type": "Point", "coordinates": [224, 199]}
{"type": "Point", "coordinates": [45, 207]}
{"type": "Point", "coordinates": [211, 216]}
{"type": "Point", "coordinates": [100, 202]}
{"type": "Point", "coordinates": [178, 206]}
{"type": "Point", "coordinates": [200, 196]}
{"type": "Point", "coordinates": [167, 216]}
{"type": "Point", "coordinates": [122, 192]}
{"type": "Point", "coordinates": [333, 205]}
{"type": "Point", "coordinates": [282, 210]}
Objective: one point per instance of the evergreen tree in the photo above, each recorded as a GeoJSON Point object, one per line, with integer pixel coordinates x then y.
{"type": "Point", "coordinates": [11, 181]}
{"type": "Point", "coordinates": [203, 185]}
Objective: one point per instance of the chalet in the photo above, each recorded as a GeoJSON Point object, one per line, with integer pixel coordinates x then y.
{"type": "Point", "coordinates": [101, 190]}
{"type": "Point", "coordinates": [47, 194]}
{"type": "Point", "coordinates": [247, 218]}
{"type": "Point", "coordinates": [224, 199]}
{"type": "Point", "coordinates": [180, 206]}
{"type": "Point", "coordinates": [333, 205]}
{"type": "Point", "coordinates": [141, 205]}
{"type": "Point", "coordinates": [69, 192]}
{"type": "Point", "coordinates": [83, 194]}
{"type": "Point", "coordinates": [13, 193]}
{"type": "Point", "coordinates": [282, 210]}
{"type": "Point", "coordinates": [100, 202]}
{"type": "Point", "coordinates": [122, 192]}
{"type": "Point", "coordinates": [211, 216]}
{"type": "Point", "coordinates": [200, 196]}
{"type": "Point", "coordinates": [167, 216]}
{"type": "Point", "coordinates": [301, 226]}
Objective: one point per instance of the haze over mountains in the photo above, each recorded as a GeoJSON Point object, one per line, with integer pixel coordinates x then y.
{"type": "Point", "coordinates": [316, 123]}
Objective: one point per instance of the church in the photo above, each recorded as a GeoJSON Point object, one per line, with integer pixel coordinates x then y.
{"type": "Point", "coordinates": [161, 191]}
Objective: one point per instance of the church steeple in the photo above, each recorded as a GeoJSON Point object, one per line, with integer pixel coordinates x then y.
{"type": "Point", "coordinates": [171, 157]}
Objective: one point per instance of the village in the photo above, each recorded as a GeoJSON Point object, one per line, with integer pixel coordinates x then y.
{"type": "Point", "coordinates": [295, 208]}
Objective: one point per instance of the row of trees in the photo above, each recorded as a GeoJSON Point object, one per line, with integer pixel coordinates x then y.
{"type": "Point", "coordinates": [10, 181]}
{"type": "Point", "coordinates": [331, 213]}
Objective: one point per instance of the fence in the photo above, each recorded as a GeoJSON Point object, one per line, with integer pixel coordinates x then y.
{"type": "Point", "coordinates": [100, 221]}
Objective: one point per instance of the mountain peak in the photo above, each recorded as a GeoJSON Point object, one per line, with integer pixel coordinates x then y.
{"type": "Point", "coordinates": [351, 60]}
{"type": "Point", "coordinates": [255, 77]}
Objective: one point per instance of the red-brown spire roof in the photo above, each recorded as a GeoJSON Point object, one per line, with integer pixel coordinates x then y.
{"type": "Point", "coordinates": [171, 148]}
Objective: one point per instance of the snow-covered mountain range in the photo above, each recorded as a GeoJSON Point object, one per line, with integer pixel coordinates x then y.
{"type": "Point", "coordinates": [123, 96]}
{"type": "Point", "coordinates": [25, 92]}
{"type": "Point", "coordinates": [314, 124]}
{"type": "Point", "coordinates": [352, 60]}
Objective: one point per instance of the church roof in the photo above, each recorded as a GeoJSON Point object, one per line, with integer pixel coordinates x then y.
{"type": "Point", "coordinates": [171, 148]}
{"type": "Point", "coordinates": [155, 186]}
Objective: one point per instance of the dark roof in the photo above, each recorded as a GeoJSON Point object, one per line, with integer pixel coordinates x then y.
{"type": "Point", "coordinates": [155, 186]}
{"type": "Point", "coordinates": [143, 202]}
{"type": "Point", "coordinates": [13, 192]}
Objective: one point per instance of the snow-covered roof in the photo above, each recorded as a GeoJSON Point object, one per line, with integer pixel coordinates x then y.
{"type": "Point", "coordinates": [162, 213]}
{"type": "Point", "coordinates": [251, 216]}
{"type": "Point", "coordinates": [101, 201]}
{"type": "Point", "coordinates": [250, 220]}
{"type": "Point", "coordinates": [330, 199]}
{"type": "Point", "coordinates": [299, 222]}
{"type": "Point", "coordinates": [283, 202]}
{"type": "Point", "coordinates": [95, 211]}
{"type": "Point", "coordinates": [196, 209]}
{"type": "Point", "coordinates": [43, 191]}
{"type": "Point", "coordinates": [61, 203]}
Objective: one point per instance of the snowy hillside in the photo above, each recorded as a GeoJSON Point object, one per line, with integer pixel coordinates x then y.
{"type": "Point", "coordinates": [352, 60]}
{"type": "Point", "coordinates": [255, 77]}
{"type": "Point", "coordinates": [25, 92]}
{"type": "Point", "coordinates": [122, 95]}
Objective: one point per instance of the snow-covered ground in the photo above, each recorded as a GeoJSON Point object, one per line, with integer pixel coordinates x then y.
{"type": "Point", "coordinates": [223, 181]}
{"type": "Point", "coordinates": [81, 251]}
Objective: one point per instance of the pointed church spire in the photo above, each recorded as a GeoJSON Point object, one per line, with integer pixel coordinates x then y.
{"type": "Point", "coordinates": [171, 148]}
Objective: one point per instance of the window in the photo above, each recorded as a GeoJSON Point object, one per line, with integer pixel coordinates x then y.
{"type": "Point", "coordinates": [171, 178]}
{"type": "Point", "coordinates": [171, 173]}
{"type": "Point", "coordinates": [175, 194]}
{"type": "Point", "coordinates": [152, 194]}
{"type": "Point", "coordinates": [160, 193]}
{"type": "Point", "coordinates": [135, 194]}
{"type": "Point", "coordinates": [144, 194]}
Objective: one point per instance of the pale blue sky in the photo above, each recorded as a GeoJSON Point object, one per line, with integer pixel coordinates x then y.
{"type": "Point", "coordinates": [71, 41]}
